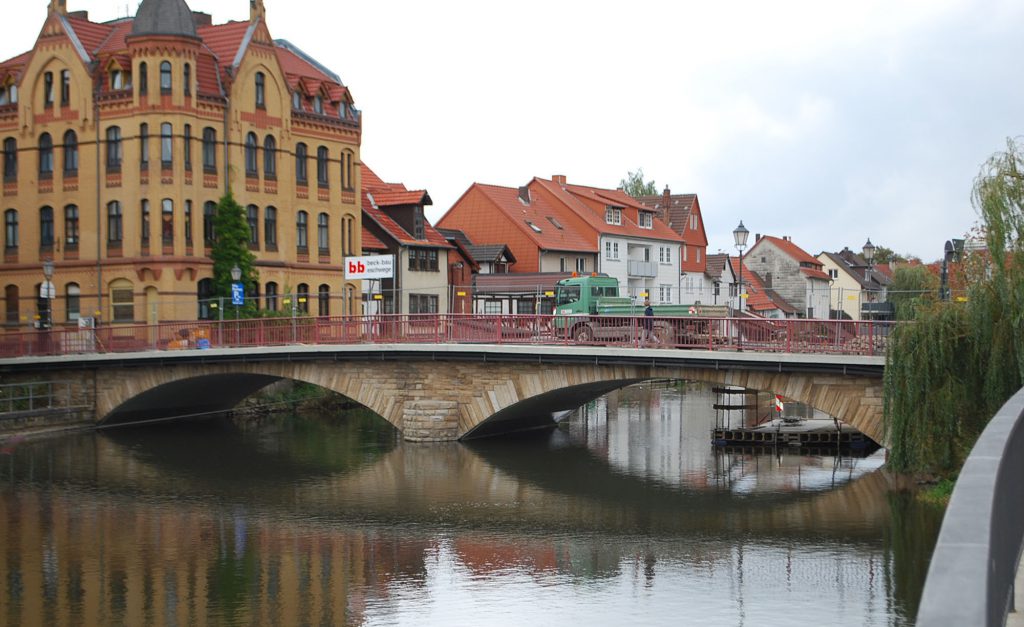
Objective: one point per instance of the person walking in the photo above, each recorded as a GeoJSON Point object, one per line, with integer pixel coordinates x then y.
{"type": "Point", "coordinates": [647, 324]}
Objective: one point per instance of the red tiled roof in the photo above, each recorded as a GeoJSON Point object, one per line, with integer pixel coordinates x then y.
{"type": "Point", "coordinates": [790, 249]}
{"type": "Point", "coordinates": [14, 64]}
{"type": "Point", "coordinates": [91, 34]}
{"type": "Point", "coordinates": [115, 41]}
{"type": "Point", "coordinates": [370, 241]}
{"type": "Point", "coordinates": [757, 297]}
{"type": "Point", "coordinates": [398, 197]}
{"type": "Point", "coordinates": [814, 273]}
{"type": "Point", "coordinates": [224, 40]}
{"type": "Point", "coordinates": [538, 212]}
{"type": "Point", "coordinates": [576, 198]}
{"type": "Point", "coordinates": [372, 186]}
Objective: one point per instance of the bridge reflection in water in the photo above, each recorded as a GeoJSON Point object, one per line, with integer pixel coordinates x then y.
{"type": "Point", "coordinates": [626, 512]}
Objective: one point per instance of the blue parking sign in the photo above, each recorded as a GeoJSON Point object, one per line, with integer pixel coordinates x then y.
{"type": "Point", "coordinates": [237, 294]}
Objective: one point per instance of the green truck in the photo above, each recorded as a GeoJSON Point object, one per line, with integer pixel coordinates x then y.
{"type": "Point", "coordinates": [590, 309]}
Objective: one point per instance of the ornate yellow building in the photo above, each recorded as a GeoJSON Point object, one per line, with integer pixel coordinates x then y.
{"type": "Point", "coordinates": [118, 139]}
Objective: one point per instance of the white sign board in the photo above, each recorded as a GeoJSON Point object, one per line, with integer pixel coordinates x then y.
{"type": "Point", "coordinates": [371, 267]}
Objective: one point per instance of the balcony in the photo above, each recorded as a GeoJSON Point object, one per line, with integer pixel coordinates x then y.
{"type": "Point", "coordinates": [647, 269]}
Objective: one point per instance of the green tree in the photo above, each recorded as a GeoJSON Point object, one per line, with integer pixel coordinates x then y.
{"type": "Point", "coordinates": [885, 255]}
{"type": "Point", "coordinates": [912, 287]}
{"type": "Point", "coordinates": [230, 249]}
{"type": "Point", "coordinates": [635, 186]}
{"type": "Point", "coordinates": [951, 369]}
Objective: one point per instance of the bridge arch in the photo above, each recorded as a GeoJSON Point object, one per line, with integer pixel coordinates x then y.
{"type": "Point", "coordinates": [447, 399]}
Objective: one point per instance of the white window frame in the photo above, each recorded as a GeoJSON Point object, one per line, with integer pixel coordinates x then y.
{"type": "Point", "coordinates": [613, 215]}
{"type": "Point", "coordinates": [665, 293]}
{"type": "Point", "coordinates": [665, 255]}
{"type": "Point", "coordinates": [646, 220]}
{"type": "Point", "coordinates": [611, 250]}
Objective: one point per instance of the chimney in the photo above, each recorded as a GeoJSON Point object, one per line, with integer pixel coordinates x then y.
{"type": "Point", "coordinates": [666, 197]}
{"type": "Point", "coordinates": [201, 19]}
{"type": "Point", "coordinates": [558, 178]}
{"type": "Point", "coordinates": [524, 195]}
{"type": "Point", "coordinates": [79, 15]}
{"type": "Point", "coordinates": [757, 237]}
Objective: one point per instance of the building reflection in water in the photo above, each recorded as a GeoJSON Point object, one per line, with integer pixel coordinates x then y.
{"type": "Point", "coordinates": [626, 511]}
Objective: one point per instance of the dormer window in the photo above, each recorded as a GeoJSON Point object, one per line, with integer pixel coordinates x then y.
{"type": "Point", "coordinates": [296, 101]}
{"type": "Point", "coordinates": [117, 79]}
{"type": "Point", "coordinates": [613, 215]}
{"type": "Point", "coordinates": [646, 220]}
{"type": "Point", "coordinates": [318, 105]}
{"type": "Point", "coordinates": [341, 110]}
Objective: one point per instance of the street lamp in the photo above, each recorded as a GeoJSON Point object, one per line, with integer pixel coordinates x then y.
{"type": "Point", "coordinates": [739, 235]}
{"type": "Point", "coordinates": [869, 255]}
{"type": "Point", "coordinates": [952, 251]}
{"type": "Point", "coordinates": [236, 276]}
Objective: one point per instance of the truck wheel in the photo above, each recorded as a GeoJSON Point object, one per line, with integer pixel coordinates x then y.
{"type": "Point", "coordinates": [583, 334]}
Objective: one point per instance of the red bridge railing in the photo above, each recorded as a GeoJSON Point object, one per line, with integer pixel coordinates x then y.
{"type": "Point", "coordinates": [841, 337]}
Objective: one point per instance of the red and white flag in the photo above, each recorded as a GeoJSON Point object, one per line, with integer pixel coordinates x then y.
{"type": "Point", "coordinates": [778, 403]}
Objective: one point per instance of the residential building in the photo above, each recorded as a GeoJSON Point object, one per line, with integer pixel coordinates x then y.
{"type": "Point", "coordinates": [790, 272]}
{"type": "Point", "coordinates": [120, 137]}
{"type": "Point", "coordinates": [393, 216]}
{"type": "Point", "coordinates": [760, 300]}
{"type": "Point", "coordinates": [682, 214]}
{"type": "Point", "coordinates": [718, 272]}
{"type": "Point", "coordinates": [858, 289]}
{"type": "Point", "coordinates": [551, 226]}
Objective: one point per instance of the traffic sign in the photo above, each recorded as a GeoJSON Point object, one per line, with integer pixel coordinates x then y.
{"type": "Point", "coordinates": [237, 294]}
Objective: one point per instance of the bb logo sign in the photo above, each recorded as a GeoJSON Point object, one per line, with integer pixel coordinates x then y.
{"type": "Point", "coordinates": [370, 267]}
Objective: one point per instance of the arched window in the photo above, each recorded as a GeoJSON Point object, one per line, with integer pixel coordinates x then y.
{"type": "Point", "coordinates": [166, 145]}
{"type": "Point", "coordinates": [270, 157]}
{"type": "Point", "coordinates": [10, 159]}
{"type": "Point", "coordinates": [348, 225]}
{"type": "Point", "coordinates": [143, 78]}
{"type": "Point", "coordinates": [250, 154]}
{"type": "Point", "coordinates": [209, 213]}
{"type": "Point", "coordinates": [322, 234]}
{"type": "Point", "coordinates": [261, 90]}
{"type": "Point", "coordinates": [252, 218]}
{"type": "Point", "coordinates": [321, 166]}
{"type": "Point", "coordinates": [72, 301]}
{"type": "Point", "coordinates": [11, 302]}
{"type": "Point", "coordinates": [302, 231]}
{"type": "Point", "coordinates": [270, 228]}
{"type": "Point", "coordinates": [188, 223]}
{"type": "Point", "coordinates": [300, 163]}
{"type": "Point", "coordinates": [302, 294]}
{"type": "Point", "coordinates": [165, 77]}
{"type": "Point", "coordinates": [145, 222]}
{"type": "Point", "coordinates": [347, 182]}
{"type": "Point", "coordinates": [167, 221]}
{"type": "Point", "coordinates": [270, 293]}
{"type": "Point", "coordinates": [350, 299]}
{"type": "Point", "coordinates": [122, 300]}
{"type": "Point", "coordinates": [71, 227]}
{"type": "Point", "coordinates": [114, 225]}
{"type": "Point", "coordinates": [70, 154]}
{"type": "Point", "coordinates": [188, 79]}
{"type": "Point", "coordinates": [209, 150]}
{"type": "Point", "coordinates": [205, 297]}
{"type": "Point", "coordinates": [45, 156]}
{"type": "Point", "coordinates": [324, 300]}
{"type": "Point", "coordinates": [11, 229]}
{"type": "Point", "coordinates": [46, 227]}
{"type": "Point", "coordinates": [114, 149]}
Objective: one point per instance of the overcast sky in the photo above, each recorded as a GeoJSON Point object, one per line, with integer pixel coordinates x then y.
{"type": "Point", "coordinates": [830, 122]}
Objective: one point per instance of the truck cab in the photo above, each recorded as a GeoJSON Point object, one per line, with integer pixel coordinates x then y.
{"type": "Point", "coordinates": [588, 295]}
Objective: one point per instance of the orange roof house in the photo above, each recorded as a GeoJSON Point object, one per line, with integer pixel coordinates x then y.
{"type": "Point", "coordinates": [681, 212]}
{"type": "Point", "coordinates": [552, 226]}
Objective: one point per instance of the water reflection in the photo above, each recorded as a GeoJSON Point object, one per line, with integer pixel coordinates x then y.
{"type": "Point", "coordinates": [626, 514]}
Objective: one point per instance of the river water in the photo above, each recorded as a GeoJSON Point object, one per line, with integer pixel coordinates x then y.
{"type": "Point", "coordinates": [624, 515]}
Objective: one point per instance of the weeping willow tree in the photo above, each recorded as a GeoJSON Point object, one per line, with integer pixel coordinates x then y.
{"type": "Point", "coordinates": [951, 369]}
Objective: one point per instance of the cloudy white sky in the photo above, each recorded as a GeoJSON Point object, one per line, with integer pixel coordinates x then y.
{"type": "Point", "coordinates": [830, 122]}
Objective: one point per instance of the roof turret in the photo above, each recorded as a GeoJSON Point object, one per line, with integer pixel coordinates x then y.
{"type": "Point", "coordinates": [164, 17]}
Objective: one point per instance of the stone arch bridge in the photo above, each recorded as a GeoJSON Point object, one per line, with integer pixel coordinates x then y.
{"type": "Point", "coordinates": [447, 391]}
